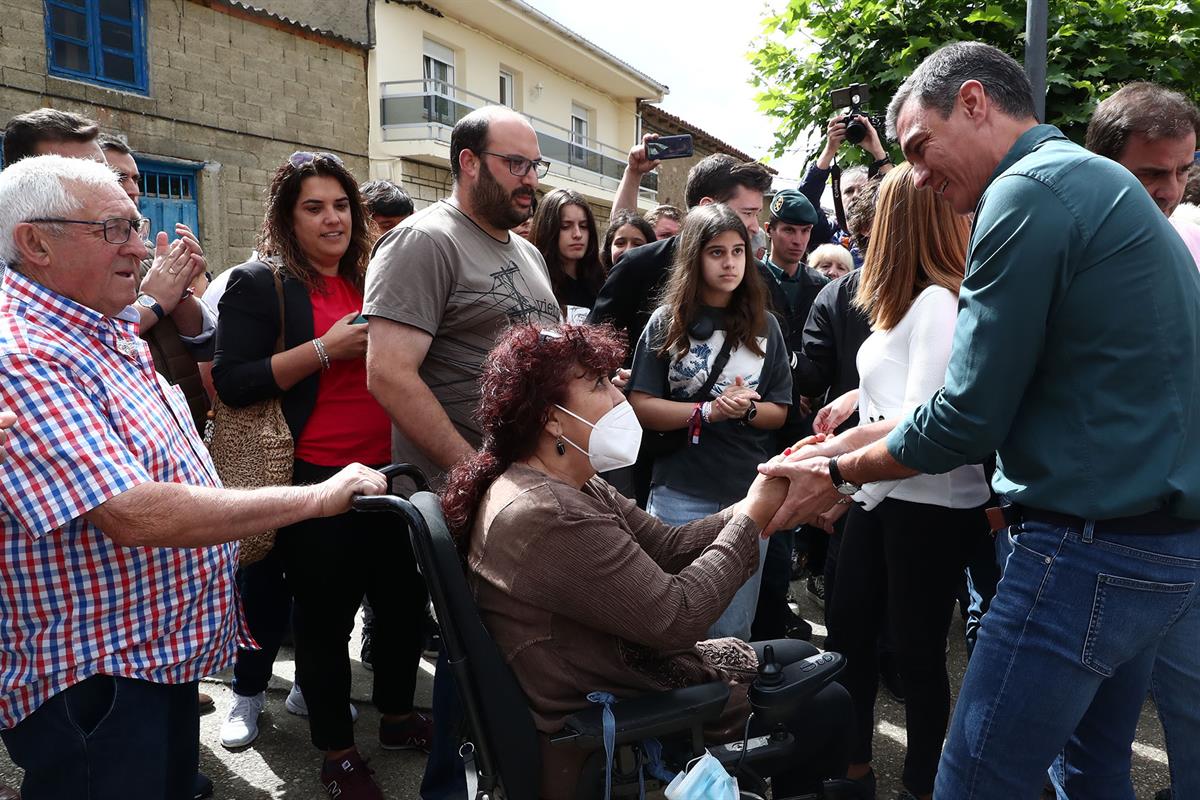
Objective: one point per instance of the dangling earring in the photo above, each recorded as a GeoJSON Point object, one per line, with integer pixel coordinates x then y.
{"type": "Point", "coordinates": [559, 447]}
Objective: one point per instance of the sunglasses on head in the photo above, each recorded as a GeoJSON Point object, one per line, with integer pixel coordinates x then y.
{"type": "Point", "coordinates": [302, 157]}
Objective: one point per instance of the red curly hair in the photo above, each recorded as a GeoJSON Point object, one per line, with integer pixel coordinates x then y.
{"type": "Point", "coordinates": [527, 372]}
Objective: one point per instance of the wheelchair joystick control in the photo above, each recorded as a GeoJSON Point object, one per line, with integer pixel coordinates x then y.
{"type": "Point", "coordinates": [770, 673]}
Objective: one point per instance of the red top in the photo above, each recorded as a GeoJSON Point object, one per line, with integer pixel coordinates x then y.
{"type": "Point", "coordinates": [346, 424]}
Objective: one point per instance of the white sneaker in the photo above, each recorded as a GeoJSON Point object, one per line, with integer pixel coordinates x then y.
{"type": "Point", "coordinates": [241, 727]}
{"type": "Point", "coordinates": [295, 704]}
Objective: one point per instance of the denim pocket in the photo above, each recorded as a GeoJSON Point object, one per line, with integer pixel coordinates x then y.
{"type": "Point", "coordinates": [1127, 615]}
{"type": "Point", "coordinates": [90, 702]}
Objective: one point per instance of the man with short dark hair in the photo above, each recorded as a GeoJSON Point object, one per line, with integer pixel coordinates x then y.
{"type": "Point", "coordinates": [48, 130]}
{"type": "Point", "coordinates": [630, 293]}
{"type": "Point", "coordinates": [665, 220]}
{"type": "Point", "coordinates": [386, 203]}
{"type": "Point", "coordinates": [441, 288]}
{"type": "Point", "coordinates": [1078, 295]}
{"type": "Point", "coordinates": [183, 335]}
{"type": "Point", "coordinates": [1151, 131]}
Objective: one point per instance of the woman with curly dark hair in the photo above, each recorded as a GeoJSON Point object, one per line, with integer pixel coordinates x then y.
{"type": "Point", "coordinates": [581, 589]}
{"type": "Point", "coordinates": [314, 249]}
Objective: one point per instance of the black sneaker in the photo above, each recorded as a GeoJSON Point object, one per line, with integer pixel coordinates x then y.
{"type": "Point", "coordinates": [799, 628]}
{"type": "Point", "coordinates": [816, 588]}
{"type": "Point", "coordinates": [367, 657]}
{"type": "Point", "coordinates": [203, 787]}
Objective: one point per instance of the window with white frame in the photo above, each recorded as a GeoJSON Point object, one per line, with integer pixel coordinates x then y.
{"type": "Point", "coordinates": [438, 71]}
{"type": "Point", "coordinates": [580, 133]}
{"type": "Point", "coordinates": [508, 89]}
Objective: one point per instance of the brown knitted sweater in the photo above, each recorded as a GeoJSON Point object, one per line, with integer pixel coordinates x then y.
{"type": "Point", "coordinates": [583, 591]}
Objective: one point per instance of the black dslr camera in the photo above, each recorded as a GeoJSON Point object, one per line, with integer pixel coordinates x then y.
{"type": "Point", "coordinates": [853, 96]}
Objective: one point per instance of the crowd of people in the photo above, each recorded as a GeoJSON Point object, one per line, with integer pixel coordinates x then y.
{"type": "Point", "coordinates": [975, 386]}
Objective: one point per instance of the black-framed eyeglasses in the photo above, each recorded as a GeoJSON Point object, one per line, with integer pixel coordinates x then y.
{"type": "Point", "coordinates": [519, 165]}
{"type": "Point", "coordinates": [302, 157]}
{"type": "Point", "coordinates": [116, 230]}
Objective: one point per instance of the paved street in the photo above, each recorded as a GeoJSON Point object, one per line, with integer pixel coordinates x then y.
{"type": "Point", "coordinates": [282, 764]}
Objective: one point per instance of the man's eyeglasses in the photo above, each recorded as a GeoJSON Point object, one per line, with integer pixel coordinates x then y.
{"type": "Point", "coordinates": [302, 157]}
{"type": "Point", "coordinates": [116, 230]}
{"type": "Point", "coordinates": [519, 165]}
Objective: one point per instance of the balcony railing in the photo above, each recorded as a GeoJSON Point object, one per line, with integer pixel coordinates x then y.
{"type": "Point", "coordinates": [428, 109]}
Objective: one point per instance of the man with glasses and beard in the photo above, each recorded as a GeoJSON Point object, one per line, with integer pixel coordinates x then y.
{"type": "Point", "coordinates": [441, 287]}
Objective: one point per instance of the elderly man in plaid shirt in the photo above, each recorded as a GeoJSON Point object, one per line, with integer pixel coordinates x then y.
{"type": "Point", "coordinates": [117, 544]}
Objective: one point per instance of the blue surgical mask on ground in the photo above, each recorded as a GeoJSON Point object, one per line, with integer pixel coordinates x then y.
{"type": "Point", "coordinates": [706, 780]}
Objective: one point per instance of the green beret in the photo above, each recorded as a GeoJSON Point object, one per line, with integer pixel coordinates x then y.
{"type": "Point", "coordinates": [792, 207]}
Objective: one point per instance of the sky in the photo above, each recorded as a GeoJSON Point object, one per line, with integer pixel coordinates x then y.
{"type": "Point", "coordinates": [662, 38]}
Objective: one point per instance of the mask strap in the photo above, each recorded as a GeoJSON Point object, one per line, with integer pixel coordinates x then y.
{"type": "Point", "coordinates": [576, 416]}
{"type": "Point", "coordinates": [581, 419]}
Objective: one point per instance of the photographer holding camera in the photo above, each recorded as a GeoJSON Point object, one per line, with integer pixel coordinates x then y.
{"type": "Point", "coordinates": [813, 185]}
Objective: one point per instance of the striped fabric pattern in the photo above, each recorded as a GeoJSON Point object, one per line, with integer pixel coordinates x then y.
{"type": "Point", "coordinates": [95, 420]}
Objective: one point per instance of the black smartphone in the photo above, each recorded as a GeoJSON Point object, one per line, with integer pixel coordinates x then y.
{"type": "Point", "coordinates": [669, 147]}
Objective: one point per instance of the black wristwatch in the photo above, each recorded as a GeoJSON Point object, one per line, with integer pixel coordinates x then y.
{"type": "Point", "coordinates": [750, 414]}
{"type": "Point", "coordinates": [146, 301]}
{"type": "Point", "coordinates": [843, 486]}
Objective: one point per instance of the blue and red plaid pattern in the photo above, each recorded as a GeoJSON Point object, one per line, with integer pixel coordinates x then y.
{"type": "Point", "coordinates": [95, 420]}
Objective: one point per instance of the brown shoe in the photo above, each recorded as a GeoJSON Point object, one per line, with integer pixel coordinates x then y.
{"type": "Point", "coordinates": [206, 705]}
{"type": "Point", "coordinates": [349, 778]}
{"type": "Point", "coordinates": [9, 794]}
{"type": "Point", "coordinates": [414, 733]}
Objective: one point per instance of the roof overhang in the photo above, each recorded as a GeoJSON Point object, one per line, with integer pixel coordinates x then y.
{"type": "Point", "coordinates": [531, 32]}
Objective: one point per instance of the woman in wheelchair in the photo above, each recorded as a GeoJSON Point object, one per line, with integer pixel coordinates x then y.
{"type": "Point", "coordinates": [583, 591]}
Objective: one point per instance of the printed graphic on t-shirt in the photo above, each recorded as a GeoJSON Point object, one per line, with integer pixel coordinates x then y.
{"type": "Point", "coordinates": [687, 375]}
{"type": "Point", "coordinates": [510, 294]}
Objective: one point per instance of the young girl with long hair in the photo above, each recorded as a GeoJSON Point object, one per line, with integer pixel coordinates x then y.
{"type": "Point", "coordinates": [712, 366]}
{"type": "Point", "coordinates": [905, 547]}
{"type": "Point", "coordinates": [564, 231]}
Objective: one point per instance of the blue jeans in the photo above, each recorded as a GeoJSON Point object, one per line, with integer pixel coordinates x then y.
{"type": "Point", "coordinates": [1064, 653]}
{"type": "Point", "coordinates": [676, 508]}
{"type": "Point", "coordinates": [108, 737]}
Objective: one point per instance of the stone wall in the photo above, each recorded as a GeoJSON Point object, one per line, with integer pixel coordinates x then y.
{"type": "Point", "coordinates": [230, 92]}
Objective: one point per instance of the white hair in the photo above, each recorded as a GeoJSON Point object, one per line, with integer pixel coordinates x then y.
{"type": "Point", "coordinates": [832, 252]}
{"type": "Point", "coordinates": [46, 186]}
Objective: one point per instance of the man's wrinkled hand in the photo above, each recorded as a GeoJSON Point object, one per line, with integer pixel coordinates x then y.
{"type": "Point", "coordinates": [811, 491]}
{"type": "Point", "coordinates": [336, 494]}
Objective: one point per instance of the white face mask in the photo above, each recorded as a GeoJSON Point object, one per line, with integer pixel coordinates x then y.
{"type": "Point", "coordinates": [616, 438]}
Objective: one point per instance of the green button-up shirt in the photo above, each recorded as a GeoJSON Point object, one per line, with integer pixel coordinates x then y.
{"type": "Point", "coordinates": [1076, 354]}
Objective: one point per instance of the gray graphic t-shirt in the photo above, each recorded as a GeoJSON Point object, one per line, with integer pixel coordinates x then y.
{"type": "Point", "coordinates": [440, 272]}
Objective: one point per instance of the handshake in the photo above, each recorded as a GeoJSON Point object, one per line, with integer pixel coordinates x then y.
{"type": "Point", "coordinates": [812, 498]}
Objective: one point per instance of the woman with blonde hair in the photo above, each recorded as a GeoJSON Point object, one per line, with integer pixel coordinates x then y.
{"type": "Point", "coordinates": [906, 542]}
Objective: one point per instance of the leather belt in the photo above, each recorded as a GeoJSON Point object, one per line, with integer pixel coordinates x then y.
{"type": "Point", "coordinates": [1008, 514]}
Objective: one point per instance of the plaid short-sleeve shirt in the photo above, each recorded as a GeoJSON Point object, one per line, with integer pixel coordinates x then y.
{"type": "Point", "coordinates": [95, 420]}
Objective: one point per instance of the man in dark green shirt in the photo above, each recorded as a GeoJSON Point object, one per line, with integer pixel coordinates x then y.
{"type": "Point", "coordinates": [1076, 358]}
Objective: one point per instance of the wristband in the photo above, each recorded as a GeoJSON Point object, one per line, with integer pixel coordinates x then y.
{"type": "Point", "coordinates": [321, 354]}
{"type": "Point", "coordinates": [694, 423]}
{"type": "Point", "coordinates": [887, 159]}
{"type": "Point", "coordinates": [706, 412]}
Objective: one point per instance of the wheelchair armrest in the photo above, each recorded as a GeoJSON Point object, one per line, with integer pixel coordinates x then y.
{"type": "Point", "coordinates": [800, 682]}
{"type": "Point", "coordinates": [638, 718]}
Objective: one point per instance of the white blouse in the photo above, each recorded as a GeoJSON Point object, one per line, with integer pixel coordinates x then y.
{"type": "Point", "coordinates": [901, 368]}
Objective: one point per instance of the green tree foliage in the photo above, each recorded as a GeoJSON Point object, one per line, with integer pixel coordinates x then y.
{"type": "Point", "coordinates": [1094, 47]}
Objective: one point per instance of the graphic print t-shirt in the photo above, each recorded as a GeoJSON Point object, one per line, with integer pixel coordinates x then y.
{"type": "Point", "coordinates": [440, 272]}
{"type": "Point", "coordinates": [723, 465]}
